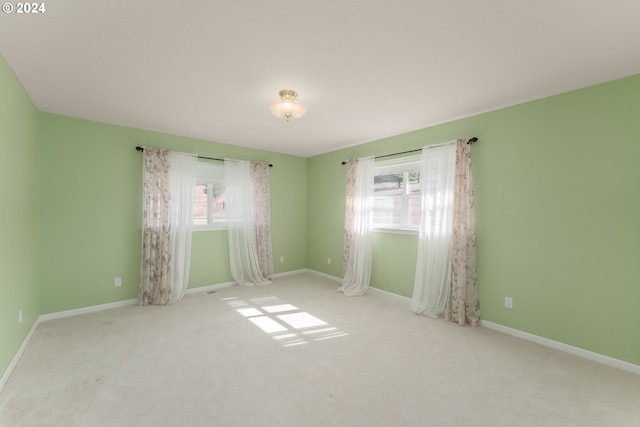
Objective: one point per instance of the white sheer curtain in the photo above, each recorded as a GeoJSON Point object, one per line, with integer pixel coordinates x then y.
{"type": "Point", "coordinates": [248, 222]}
{"type": "Point", "coordinates": [183, 176]}
{"type": "Point", "coordinates": [433, 270]}
{"type": "Point", "coordinates": [358, 221]}
{"type": "Point", "coordinates": [169, 181]}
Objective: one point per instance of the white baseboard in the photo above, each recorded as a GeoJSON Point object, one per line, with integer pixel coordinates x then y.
{"type": "Point", "coordinates": [325, 275]}
{"type": "Point", "coordinates": [209, 288]}
{"type": "Point", "coordinates": [291, 273]}
{"type": "Point", "coordinates": [84, 310]}
{"type": "Point", "coordinates": [389, 294]}
{"type": "Point", "coordinates": [586, 354]}
{"type": "Point", "coordinates": [18, 355]}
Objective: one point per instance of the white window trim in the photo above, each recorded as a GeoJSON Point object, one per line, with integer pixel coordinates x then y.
{"type": "Point", "coordinates": [398, 230]}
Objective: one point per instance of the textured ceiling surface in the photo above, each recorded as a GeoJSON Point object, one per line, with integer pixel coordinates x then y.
{"type": "Point", "coordinates": [365, 69]}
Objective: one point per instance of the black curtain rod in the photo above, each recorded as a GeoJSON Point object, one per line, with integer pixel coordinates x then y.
{"type": "Point", "coordinates": [201, 157]}
{"type": "Point", "coordinates": [470, 141]}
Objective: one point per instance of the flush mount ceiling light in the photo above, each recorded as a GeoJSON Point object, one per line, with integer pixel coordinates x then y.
{"type": "Point", "coordinates": [287, 108]}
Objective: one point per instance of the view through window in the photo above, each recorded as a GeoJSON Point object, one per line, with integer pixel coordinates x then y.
{"type": "Point", "coordinates": [209, 210]}
{"type": "Point", "coordinates": [397, 199]}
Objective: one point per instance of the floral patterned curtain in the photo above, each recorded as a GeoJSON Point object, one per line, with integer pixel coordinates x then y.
{"type": "Point", "coordinates": [155, 282]}
{"type": "Point", "coordinates": [463, 305]}
{"type": "Point", "coordinates": [352, 169]}
{"type": "Point", "coordinates": [262, 217]}
{"type": "Point", "coordinates": [169, 180]}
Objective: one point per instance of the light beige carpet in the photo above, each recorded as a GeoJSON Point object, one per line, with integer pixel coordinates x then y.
{"type": "Point", "coordinates": [295, 354]}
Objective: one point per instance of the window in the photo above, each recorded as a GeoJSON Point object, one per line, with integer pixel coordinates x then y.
{"type": "Point", "coordinates": [396, 194]}
{"type": "Point", "coordinates": [209, 200]}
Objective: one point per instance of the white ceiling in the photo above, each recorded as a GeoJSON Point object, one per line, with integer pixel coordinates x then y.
{"type": "Point", "coordinates": [365, 69]}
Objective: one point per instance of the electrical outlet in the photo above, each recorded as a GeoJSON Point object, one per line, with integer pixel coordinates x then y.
{"type": "Point", "coordinates": [117, 281]}
{"type": "Point", "coordinates": [328, 260]}
{"type": "Point", "coordinates": [20, 317]}
{"type": "Point", "coordinates": [508, 302]}
{"type": "Point", "coordinates": [281, 258]}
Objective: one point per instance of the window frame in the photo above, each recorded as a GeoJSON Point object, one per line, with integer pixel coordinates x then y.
{"type": "Point", "coordinates": [405, 166]}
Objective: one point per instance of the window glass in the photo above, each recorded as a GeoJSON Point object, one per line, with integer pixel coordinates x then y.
{"type": "Point", "coordinates": [415, 211]}
{"type": "Point", "coordinates": [200, 203]}
{"type": "Point", "coordinates": [209, 202]}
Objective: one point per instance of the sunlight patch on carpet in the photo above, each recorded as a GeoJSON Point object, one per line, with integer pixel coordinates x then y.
{"type": "Point", "coordinates": [285, 322]}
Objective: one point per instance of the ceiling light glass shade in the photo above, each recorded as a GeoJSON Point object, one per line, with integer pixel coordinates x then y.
{"type": "Point", "coordinates": [287, 108]}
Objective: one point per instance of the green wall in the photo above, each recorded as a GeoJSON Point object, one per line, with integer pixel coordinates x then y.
{"type": "Point", "coordinates": [90, 193]}
{"type": "Point", "coordinates": [18, 214]}
{"type": "Point", "coordinates": [557, 187]}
